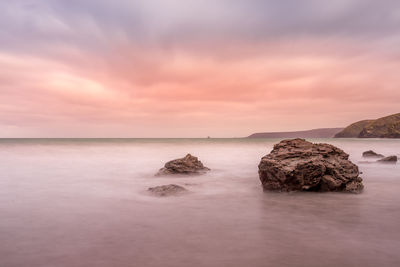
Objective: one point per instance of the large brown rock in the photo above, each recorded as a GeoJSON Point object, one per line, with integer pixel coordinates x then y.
{"type": "Point", "coordinates": [187, 165]}
{"type": "Point", "coordinates": [298, 165]}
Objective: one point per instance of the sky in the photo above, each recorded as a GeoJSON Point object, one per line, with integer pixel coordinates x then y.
{"type": "Point", "coordinates": [195, 68]}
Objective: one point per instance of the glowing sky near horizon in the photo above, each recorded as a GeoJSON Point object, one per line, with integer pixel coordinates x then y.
{"type": "Point", "coordinates": [195, 68]}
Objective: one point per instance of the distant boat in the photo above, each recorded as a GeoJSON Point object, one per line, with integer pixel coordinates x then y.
{"type": "Point", "coordinates": [208, 137]}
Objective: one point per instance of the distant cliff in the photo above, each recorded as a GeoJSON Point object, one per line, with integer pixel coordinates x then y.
{"type": "Point", "coordinates": [386, 127]}
{"type": "Point", "coordinates": [315, 133]}
{"type": "Point", "coordinates": [353, 130]}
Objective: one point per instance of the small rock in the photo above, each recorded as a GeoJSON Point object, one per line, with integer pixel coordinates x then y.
{"type": "Point", "coordinates": [187, 165]}
{"type": "Point", "coordinates": [390, 159]}
{"type": "Point", "coordinates": [372, 154]}
{"type": "Point", "coordinates": [167, 190]}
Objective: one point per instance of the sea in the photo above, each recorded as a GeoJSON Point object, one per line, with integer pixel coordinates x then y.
{"type": "Point", "coordinates": [84, 202]}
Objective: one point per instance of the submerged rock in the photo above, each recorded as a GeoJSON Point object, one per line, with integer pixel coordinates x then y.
{"type": "Point", "coordinates": [187, 165]}
{"type": "Point", "coordinates": [298, 165]}
{"type": "Point", "coordinates": [372, 154]}
{"type": "Point", "coordinates": [167, 190]}
{"type": "Point", "coordinates": [390, 159]}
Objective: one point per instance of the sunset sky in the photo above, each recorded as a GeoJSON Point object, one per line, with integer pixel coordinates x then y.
{"type": "Point", "coordinates": [195, 68]}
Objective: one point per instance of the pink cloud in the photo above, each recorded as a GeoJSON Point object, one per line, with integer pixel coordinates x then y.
{"type": "Point", "coordinates": [147, 92]}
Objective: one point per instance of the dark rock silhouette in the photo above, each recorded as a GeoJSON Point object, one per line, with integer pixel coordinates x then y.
{"type": "Point", "coordinates": [298, 165]}
{"type": "Point", "coordinates": [187, 165]}
{"type": "Point", "coordinates": [167, 190]}
{"type": "Point", "coordinates": [390, 159]}
{"type": "Point", "coordinates": [372, 154]}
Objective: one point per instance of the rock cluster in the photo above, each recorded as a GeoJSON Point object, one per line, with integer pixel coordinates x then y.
{"type": "Point", "coordinates": [187, 165]}
{"type": "Point", "coordinates": [372, 154]}
{"type": "Point", "coordinates": [298, 165]}
{"type": "Point", "coordinates": [167, 190]}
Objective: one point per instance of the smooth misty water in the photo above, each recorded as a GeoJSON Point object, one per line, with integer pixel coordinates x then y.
{"type": "Point", "coordinates": [84, 203]}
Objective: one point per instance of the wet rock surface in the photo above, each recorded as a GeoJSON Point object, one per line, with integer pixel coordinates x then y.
{"type": "Point", "coordinates": [187, 165]}
{"type": "Point", "coordinates": [372, 154]}
{"type": "Point", "coordinates": [167, 190]}
{"type": "Point", "coordinates": [299, 165]}
{"type": "Point", "coordinates": [390, 159]}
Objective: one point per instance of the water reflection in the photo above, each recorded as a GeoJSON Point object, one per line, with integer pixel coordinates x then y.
{"type": "Point", "coordinates": [84, 204]}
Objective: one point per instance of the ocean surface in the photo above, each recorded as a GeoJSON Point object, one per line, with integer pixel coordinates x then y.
{"type": "Point", "coordinates": [84, 202]}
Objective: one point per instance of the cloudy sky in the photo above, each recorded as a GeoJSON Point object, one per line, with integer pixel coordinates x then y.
{"type": "Point", "coordinates": [195, 68]}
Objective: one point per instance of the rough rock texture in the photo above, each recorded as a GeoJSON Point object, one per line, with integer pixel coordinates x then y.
{"type": "Point", "coordinates": [372, 154]}
{"type": "Point", "coordinates": [187, 165]}
{"type": "Point", "coordinates": [298, 165]}
{"type": "Point", "coordinates": [167, 190]}
{"type": "Point", "coordinates": [390, 159]}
